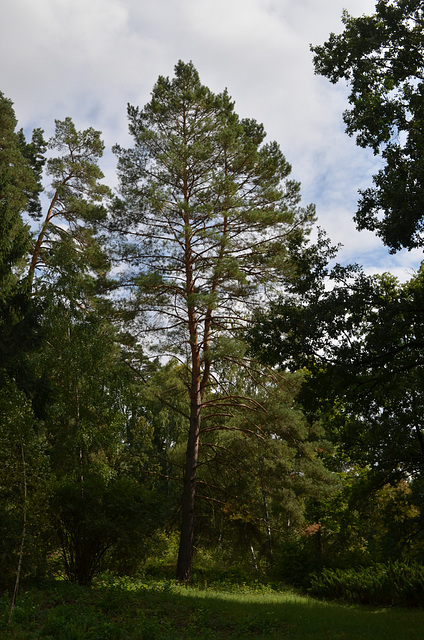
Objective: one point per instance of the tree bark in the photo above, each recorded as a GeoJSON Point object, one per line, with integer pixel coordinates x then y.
{"type": "Point", "coordinates": [39, 243]}
{"type": "Point", "coordinates": [185, 553]}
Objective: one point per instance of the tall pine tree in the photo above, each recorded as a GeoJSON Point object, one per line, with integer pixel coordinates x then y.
{"type": "Point", "coordinates": [207, 215]}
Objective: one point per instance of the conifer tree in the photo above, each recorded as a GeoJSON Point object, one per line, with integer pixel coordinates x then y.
{"type": "Point", "coordinates": [67, 242]}
{"type": "Point", "coordinates": [18, 192]}
{"type": "Point", "coordinates": [207, 216]}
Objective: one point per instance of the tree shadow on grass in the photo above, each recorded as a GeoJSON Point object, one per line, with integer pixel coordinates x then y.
{"type": "Point", "coordinates": [164, 611]}
{"type": "Point", "coordinates": [293, 617]}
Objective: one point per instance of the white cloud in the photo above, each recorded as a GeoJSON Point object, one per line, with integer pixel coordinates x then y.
{"type": "Point", "coordinates": [88, 59]}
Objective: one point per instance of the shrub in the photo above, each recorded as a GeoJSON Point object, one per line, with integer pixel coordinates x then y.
{"type": "Point", "coordinates": [398, 584]}
{"type": "Point", "coordinates": [296, 560]}
{"type": "Point", "coordinates": [96, 517]}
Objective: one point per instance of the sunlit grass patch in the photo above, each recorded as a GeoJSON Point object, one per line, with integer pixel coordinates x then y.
{"type": "Point", "coordinates": [115, 609]}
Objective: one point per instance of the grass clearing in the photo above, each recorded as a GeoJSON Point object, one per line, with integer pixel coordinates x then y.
{"type": "Point", "coordinates": [163, 610]}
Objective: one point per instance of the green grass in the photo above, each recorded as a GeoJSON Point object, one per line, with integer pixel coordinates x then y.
{"type": "Point", "coordinates": [154, 610]}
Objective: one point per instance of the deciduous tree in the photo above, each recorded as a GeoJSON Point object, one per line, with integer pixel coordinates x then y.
{"type": "Point", "coordinates": [382, 59]}
{"type": "Point", "coordinates": [361, 341]}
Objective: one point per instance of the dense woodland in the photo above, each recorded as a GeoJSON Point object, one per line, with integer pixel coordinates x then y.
{"type": "Point", "coordinates": [187, 380]}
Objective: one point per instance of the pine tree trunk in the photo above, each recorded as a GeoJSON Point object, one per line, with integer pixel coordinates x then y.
{"type": "Point", "coordinates": [185, 553]}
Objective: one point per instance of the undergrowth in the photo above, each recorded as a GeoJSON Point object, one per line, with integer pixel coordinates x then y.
{"type": "Point", "coordinates": [161, 609]}
{"type": "Point", "coordinates": [399, 584]}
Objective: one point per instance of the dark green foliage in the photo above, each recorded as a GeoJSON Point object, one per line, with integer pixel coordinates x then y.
{"type": "Point", "coordinates": [94, 517]}
{"type": "Point", "coordinates": [261, 463]}
{"type": "Point", "coordinates": [396, 584]}
{"type": "Point", "coordinates": [23, 487]}
{"type": "Point", "coordinates": [17, 181]}
{"type": "Point", "coordinates": [22, 491]}
{"type": "Point", "coordinates": [297, 557]}
{"type": "Point", "coordinates": [381, 58]}
{"type": "Point", "coordinates": [100, 448]}
{"type": "Point", "coordinates": [359, 526]}
{"type": "Point", "coordinates": [19, 314]}
{"type": "Point", "coordinates": [34, 153]}
{"type": "Point", "coordinates": [80, 421]}
{"type": "Point", "coordinates": [361, 341]}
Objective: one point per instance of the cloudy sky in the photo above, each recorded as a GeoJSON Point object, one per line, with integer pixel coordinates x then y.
{"type": "Point", "coordinates": [88, 58]}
